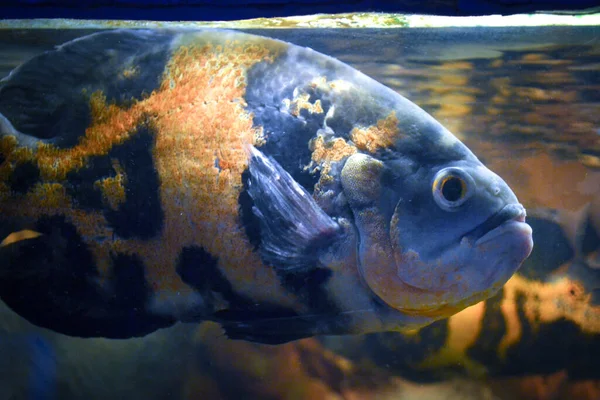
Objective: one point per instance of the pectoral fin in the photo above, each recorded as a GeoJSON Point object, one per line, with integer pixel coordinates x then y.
{"type": "Point", "coordinates": [293, 228]}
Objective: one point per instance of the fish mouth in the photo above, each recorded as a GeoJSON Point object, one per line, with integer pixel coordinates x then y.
{"type": "Point", "coordinates": [510, 216]}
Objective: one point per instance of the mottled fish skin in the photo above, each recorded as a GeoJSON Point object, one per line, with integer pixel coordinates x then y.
{"type": "Point", "coordinates": [150, 177]}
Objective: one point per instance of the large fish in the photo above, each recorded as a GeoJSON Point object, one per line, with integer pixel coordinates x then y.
{"type": "Point", "coordinates": [150, 177]}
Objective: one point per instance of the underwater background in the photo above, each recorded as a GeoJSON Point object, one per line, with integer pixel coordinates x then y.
{"type": "Point", "coordinates": [526, 100]}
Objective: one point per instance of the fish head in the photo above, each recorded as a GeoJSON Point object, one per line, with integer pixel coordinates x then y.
{"type": "Point", "coordinates": [463, 242]}
{"type": "Point", "coordinates": [436, 234]}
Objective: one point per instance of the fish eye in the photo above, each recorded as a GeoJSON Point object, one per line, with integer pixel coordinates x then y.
{"type": "Point", "coordinates": [451, 188]}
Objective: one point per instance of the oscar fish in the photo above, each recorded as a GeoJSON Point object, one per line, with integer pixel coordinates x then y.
{"type": "Point", "coordinates": [149, 177]}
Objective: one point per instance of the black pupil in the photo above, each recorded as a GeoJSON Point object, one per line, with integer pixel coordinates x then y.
{"type": "Point", "coordinates": [452, 189]}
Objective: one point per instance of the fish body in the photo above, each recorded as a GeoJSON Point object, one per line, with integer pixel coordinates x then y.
{"type": "Point", "coordinates": [151, 176]}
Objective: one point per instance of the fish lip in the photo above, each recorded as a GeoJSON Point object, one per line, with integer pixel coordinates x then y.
{"type": "Point", "coordinates": [493, 226]}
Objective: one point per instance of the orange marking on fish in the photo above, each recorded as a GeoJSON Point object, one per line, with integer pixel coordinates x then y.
{"type": "Point", "coordinates": [382, 135]}
{"type": "Point", "coordinates": [332, 151]}
{"type": "Point", "coordinates": [301, 102]}
{"type": "Point", "coordinates": [42, 199]}
{"type": "Point", "coordinates": [47, 197]}
{"type": "Point", "coordinates": [325, 153]}
{"type": "Point", "coordinates": [113, 188]}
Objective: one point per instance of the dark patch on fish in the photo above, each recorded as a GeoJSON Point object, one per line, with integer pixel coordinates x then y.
{"type": "Point", "coordinates": [310, 285]}
{"type": "Point", "coordinates": [24, 176]}
{"type": "Point", "coordinates": [130, 288]}
{"type": "Point", "coordinates": [62, 123]}
{"type": "Point", "coordinates": [200, 270]}
{"type": "Point", "coordinates": [48, 97]}
{"type": "Point", "coordinates": [141, 215]}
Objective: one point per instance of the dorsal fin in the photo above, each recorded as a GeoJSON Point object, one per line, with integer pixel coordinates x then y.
{"type": "Point", "coordinates": [48, 96]}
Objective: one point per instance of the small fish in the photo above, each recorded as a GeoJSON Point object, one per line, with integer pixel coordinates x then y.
{"type": "Point", "coordinates": [149, 177]}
